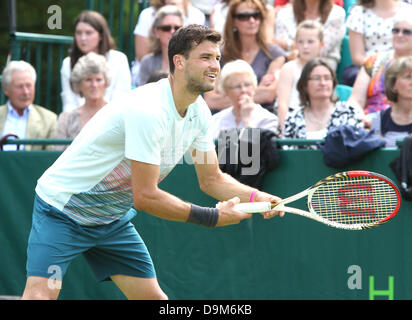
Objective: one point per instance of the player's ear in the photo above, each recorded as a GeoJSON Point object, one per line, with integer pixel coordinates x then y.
{"type": "Point", "coordinates": [179, 61]}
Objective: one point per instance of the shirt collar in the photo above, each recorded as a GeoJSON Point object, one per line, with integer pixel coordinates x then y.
{"type": "Point", "coordinates": [14, 113]}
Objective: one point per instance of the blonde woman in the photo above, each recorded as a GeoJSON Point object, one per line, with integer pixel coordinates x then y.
{"type": "Point", "coordinates": [238, 81]}
{"type": "Point", "coordinates": [168, 20]}
{"type": "Point", "coordinates": [142, 30]}
{"type": "Point", "coordinates": [89, 79]}
{"type": "Point", "coordinates": [245, 38]}
{"type": "Point", "coordinates": [395, 122]}
{"type": "Point", "coordinates": [326, 12]}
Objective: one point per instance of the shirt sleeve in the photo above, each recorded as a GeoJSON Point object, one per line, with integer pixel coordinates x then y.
{"type": "Point", "coordinates": [69, 98]}
{"type": "Point", "coordinates": [121, 81]}
{"type": "Point", "coordinates": [204, 141]}
{"type": "Point", "coordinates": [144, 132]}
{"type": "Point", "coordinates": [285, 27]}
{"type": "Point", "coordinates": [144, 23]}
{"type": "Point", "coordinates": [355, 19]}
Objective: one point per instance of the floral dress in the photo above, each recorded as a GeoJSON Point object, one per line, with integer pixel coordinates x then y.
{"type": "Point", "coordinates": [343, 114]}
{"type": "Point", "coordinates": [376, 66]}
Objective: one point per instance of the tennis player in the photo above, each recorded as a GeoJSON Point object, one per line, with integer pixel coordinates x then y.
{"type": "Point", "coordinates": [84, 201]}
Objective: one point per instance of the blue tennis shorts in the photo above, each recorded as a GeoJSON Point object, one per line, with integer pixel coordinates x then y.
{"type": "Point", "coordinates": [55, 240]}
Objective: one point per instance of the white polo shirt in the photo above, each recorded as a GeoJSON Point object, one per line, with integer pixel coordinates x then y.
{"type": "Point", "coordinates": [91, 180]}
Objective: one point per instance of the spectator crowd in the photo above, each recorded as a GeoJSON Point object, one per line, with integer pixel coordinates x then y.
{"type": "Point", "coordinates": [283, 68]}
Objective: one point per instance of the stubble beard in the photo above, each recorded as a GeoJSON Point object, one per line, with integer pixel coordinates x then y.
{"type": "Point", "coordinates": [197, 86]}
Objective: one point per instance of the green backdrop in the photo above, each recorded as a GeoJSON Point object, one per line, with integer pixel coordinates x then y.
{"type": "Point", "coordinates": [281, 258]}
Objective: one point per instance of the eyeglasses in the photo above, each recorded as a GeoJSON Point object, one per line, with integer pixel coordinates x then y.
{"type": "Point", "coordinates": [239, 86]}
{"type": "Point", "coordinates": [168, 28]}
{"type": "Point", "coordinates": [257, 15]}
{"type": "Point", "coordinates": [405, 32]}
{"type": "Point", "coordinates": [320, 78]}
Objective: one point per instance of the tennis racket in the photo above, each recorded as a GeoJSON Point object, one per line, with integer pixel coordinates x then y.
{"type": "Point", "coordinates": [352, 200]}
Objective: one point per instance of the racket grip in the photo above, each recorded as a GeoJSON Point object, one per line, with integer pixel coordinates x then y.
{"type": "Point", "coordinates": [253, 207]}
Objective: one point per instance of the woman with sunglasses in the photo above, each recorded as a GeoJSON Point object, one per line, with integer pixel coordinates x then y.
{"type": "Point", "coordinates": [369, 89]}
{"type": "Point", "coordinates": [369, 28]}
{"type": "Point", "coordinates": [326, 12]}
{"type": "Point", "coordinates": [168, 20]}
{"type": "Point", "coordinates": [92, 34]}
{"type": "Point", "coordinates": [319, 109]}
{"type": "Point", "coordinates": [141, 32]}
{"type": "Point", "coordinates": [245, 38]}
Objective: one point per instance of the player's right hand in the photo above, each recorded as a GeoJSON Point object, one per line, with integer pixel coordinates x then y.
{"type": "Point", "coordinates": [228, 214]}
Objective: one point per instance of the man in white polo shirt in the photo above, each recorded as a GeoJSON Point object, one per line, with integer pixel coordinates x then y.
{"type": "Point", "coordinates": [84, 201]}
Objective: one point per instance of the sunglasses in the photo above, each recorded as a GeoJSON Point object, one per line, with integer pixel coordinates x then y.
{"type": "Point", "coordinates": [257, 15]}
{"type": "Point", "coordinates": [168, 28]}
{"type": "Point", "coordinates": [405, 32]}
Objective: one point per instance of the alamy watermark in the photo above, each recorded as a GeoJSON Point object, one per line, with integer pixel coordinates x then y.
{"type": "Point", "coordinates": [55, 20]}
{"type": "Point", "coordinates": [55, 280]}
{"type": "Point", "coordinates": [355, 283]}
{"type": "Point", "coordinates": [234, 148]}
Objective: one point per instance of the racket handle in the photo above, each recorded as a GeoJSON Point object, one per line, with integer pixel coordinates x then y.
{"type": "Point", "coordinates": [252, 207]}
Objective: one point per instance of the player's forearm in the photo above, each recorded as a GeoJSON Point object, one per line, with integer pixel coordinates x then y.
{"type": "Point", "coordinates": [224, 187]}
{"type": "Point", "coordinates": [162, 204]}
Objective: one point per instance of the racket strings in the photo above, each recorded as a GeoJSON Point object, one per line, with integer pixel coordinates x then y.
{"type": "Point", "coordinates": [354, 200]}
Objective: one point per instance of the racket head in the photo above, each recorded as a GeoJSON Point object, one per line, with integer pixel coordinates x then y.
{"type": "Point", "coordinates": [355, 200]}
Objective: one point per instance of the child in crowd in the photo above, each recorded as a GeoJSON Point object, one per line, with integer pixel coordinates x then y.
{"type": "Point", "coordinates": [309, 43]}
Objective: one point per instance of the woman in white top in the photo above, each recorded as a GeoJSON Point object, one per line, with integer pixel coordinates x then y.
{"type": "Point", "coordinates": [92, 35]}
{"type": "Point", "coordinates": [238, 82]}
{"type": "Point", "coordinates": [191, 15]}
{"type": "Point", "coordinates": [326, 12]}
{"type": "Point", "coordinates": [309, 42]}
{"type": "Point", "coordinates": [218, 15]}
{"type": "Point", "coordinates": [370, 27]}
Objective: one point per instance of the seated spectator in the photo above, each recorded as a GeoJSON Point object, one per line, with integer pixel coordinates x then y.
{"type": "Point", "coordinates": [92, 35]}
{"type": "Point", "coordinates": [141, 32]}
{"type": "Point", "coordinates": [168, 19]}
{"type": "Point", "coordinates": [206, 6]}
{"type": "Point", "coordinates": [238, 81]}
{"type": "Point", "coordinates": [309, 43]}
{"type": "Point", "coordinates": [320, 110]}
{"type": "Point", "coordinates": [395, 122]}
{"type": "Point", "coordinates": [326, 12]}
{"type": "Point", "coordinates": [20, 116]}
{"type": "Point", "coordinates": [369, 89]}
{"type": "Point", "coordinates": [90, 78]}
{"type": "Point", "coordinates": [219, 12]}
{"type": "Point", "coordinates": [245, 38]}
{"type": "Point", "coordinates": [369, 28]}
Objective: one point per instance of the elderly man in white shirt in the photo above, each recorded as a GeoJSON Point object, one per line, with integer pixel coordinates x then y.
{"type": "Point", "coordinates": [20, 116]}
{"type": "Point", "coordinates": [238, 82]}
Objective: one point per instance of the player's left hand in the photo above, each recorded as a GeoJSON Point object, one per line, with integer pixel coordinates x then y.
{"type": "Point", "coordinates": [266, 197]}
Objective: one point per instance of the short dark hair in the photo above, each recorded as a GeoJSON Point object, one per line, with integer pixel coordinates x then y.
{"type": "Point", "coordinates": [188, 37]}
{"type": "Point", "coordinates": [304, 78]}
